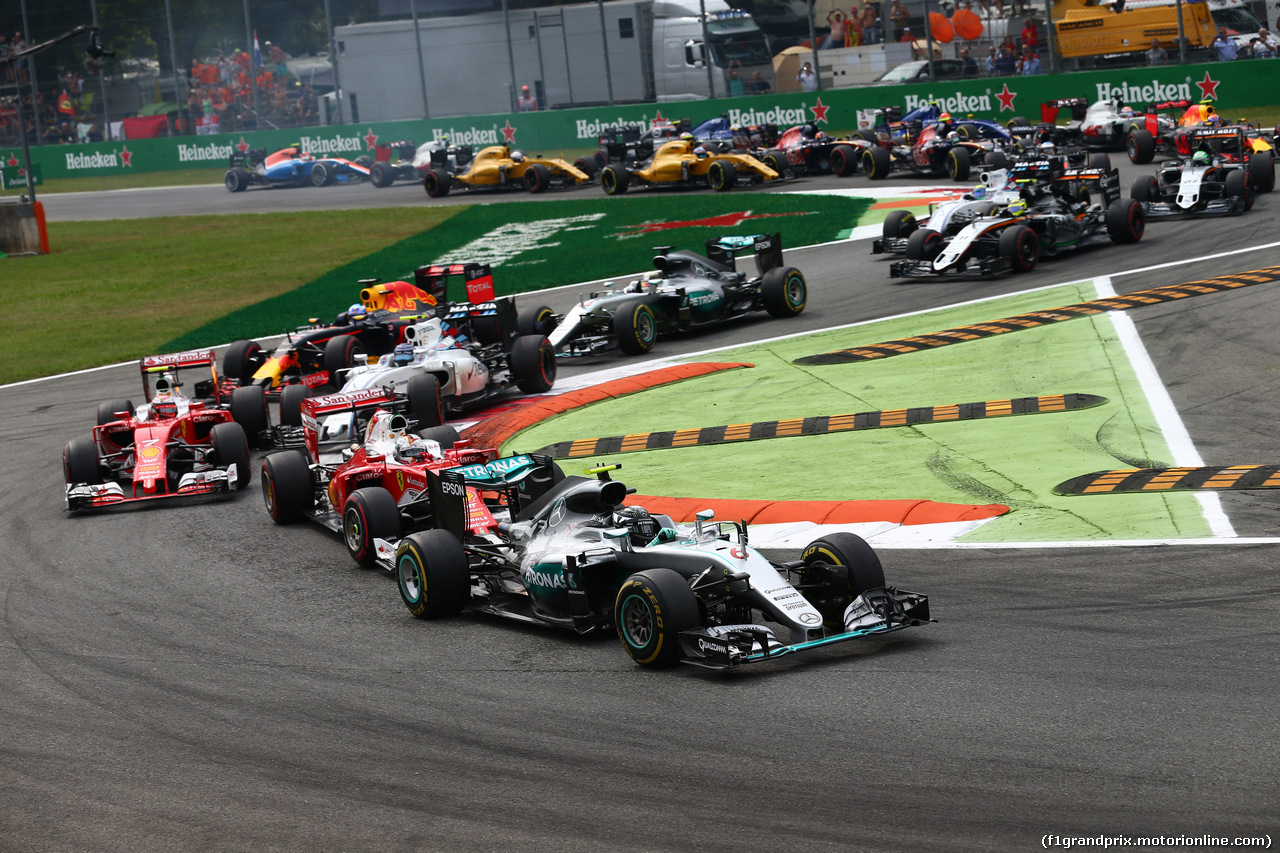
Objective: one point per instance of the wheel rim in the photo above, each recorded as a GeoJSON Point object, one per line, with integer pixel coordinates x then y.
{"type": "Point", "coordinates": [637, 622]}
{"type": "Point", "coordinates": [269, 495]}
{"type": "Point", "coordinates": [795, 291]}
{"type": "Point", "coordinates": [353, 530]}
{"type": "Point", "coordinates": [410, 579]}
{"type": "Point", "coordinates": [644, 326]}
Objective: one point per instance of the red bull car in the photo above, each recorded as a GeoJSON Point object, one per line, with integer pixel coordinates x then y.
{"type": "Point", "coordinates": [291, 167]}
{"type": "Point", "coordinates": [174, 445]}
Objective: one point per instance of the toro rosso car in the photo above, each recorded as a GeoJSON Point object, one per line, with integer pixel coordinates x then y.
{"type": "Point", "coordinates": [687, 292]}
{"type": "Point", "coordinates": [464, 357]}
{"type": "Point", "coordinates": [312, 354]}
{"type": "Point", "coordinates": [497, 167]}
{"type": "Point", "coordinates": [291, 167]}
{"type": "Point", "coordinates": [1053, 213]}
{"type": "Point", "coordinates": [573, 556]}
{"type": "Point", "coordinates": [171, 446]}
{"type": "Point", "coordinates": [375, 488]}
{"type": "Point", "coordinates": [930, 147]}
{"type": "Point", "coordinates": [686, 162]}
{"type": "Point", "coordinates": [1218, 179]}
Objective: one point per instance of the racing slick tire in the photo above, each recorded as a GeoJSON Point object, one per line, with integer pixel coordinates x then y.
{"type": "Point", "coordinates": [436, 182]}
{"type": "Point", "coordinates": [1240, 185]}
{"type": "Point", "coordinates": [1263, 169]}
{"type": "Point", "coordinates": [958, 164]}
{"type": "Point", "coordinates": [445, 436]}
{"type": "Point", "coordinates": [842, 566]}
{"type": "Point", "coordinates": [650, 611]}
{"type": "Point", "coordinates": [539, 321]}
{"type": "Point", "coordinates": [231, 447]}
{"type": "Point", "coordinates": [783, 292]}
{"type": "Point", "coordinates": [995, 159]}
{"type": "Point", "coordinates": [339, 354]}
{"type": "Point", "coordinates": [1100, 160]}
{"type": "Point", "coordinates": [969, 131]}
{"type": "Point", "coordinates": [587, 166]}
{"type": "Point", "coordinates": [1126, 220]}
{"type": "Point", "coordinates": [242, 360]}
{"type": "Point", "coordinates": [777, 163]}
{"type": "Point", "coordinates": [924, 244]}
{"type": "Point", "coordinates": [1020, 245]}
{"type": "Point", "coordinates": [1017, 121]}
{"type": "Point", "coordinates": [432, 573]}
{"type": "Point", "coordinates": [602, 158]}
{"type": "Point", "coordinates": [287, 486]}
{"type": "Point", "coordinates": [365, 160]}
{"type": "Point", "coordinates": [107, 410]}
{"type": "Point", "coordinates": [1141, 146]}
{"type": "Point", "coordinates": [537, 178]}
{"type": "Point", "coordinates": [369, 513]}
{"type": "Point", "coordinates": [382, 175]}
{"type": "Point", "coordinates": [80, 462]}
{"type": "Point", "coordinates": [635, 327]}
{"type": "Point", "coordinates": [899, 224]}
{"type": "Point", "coordinates": [533, 363]}
{"type": "Point", "coordinates": [844, 160]}
{"type": "Point", "coordinates": [423, 393]}
{"type": "Point", "coordinates": [614, 180]}
{"type": "Point", "coordinates": [249, 409]}
{"type": "Point", "coordinates": [321, 175]}
{"type": "Point", "coordinates": [236, 180]}
{"type": "Point", "coordinates": [876, 163]}
{"type": "Point", "coordinates": [1146, 188]}
{"type": "Point", "coordinates": [291, 397]}
{"type": "Point", "coordinates": [722, 175]}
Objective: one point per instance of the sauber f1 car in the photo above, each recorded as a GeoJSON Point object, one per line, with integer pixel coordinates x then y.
{"type": "Point", "coordinates": [686, 162]}
{"type": "Point", "coordinates": [687, 292]}
{"type": "Point", "coordinates": [1218, 179]}
{"type": "Point", "coordinates": [497, 167]}
{"type": "Point", "coordinates": [1054, 213]}
{"type": "Point", "coordinates": [291, 167]}
{"type": "Point", "coordinates": [573, 556]}
{"type": "Point", "coordinates": [375, 488]}
{"type": "Point", "coordinates": [171, 446]}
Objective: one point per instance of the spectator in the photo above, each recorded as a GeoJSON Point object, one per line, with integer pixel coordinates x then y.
{"type": "Point", "coordinates": [838, 34]}
{"type": "Point", "coordinates": [1006, 63]}
{"type": "Point", "coordinates": [1157, 55]}
{"type": "Point", "coordinates": [992, 70]}
{"type": "Point", "coordinates": [735, 85]}
{"type": "Point", "coordinates": [969, 65]}
{"type": "Point", "coordinates": [1272, 45]}
{"type": "Point", "coordinates": [1030, 63]}
{"type": "Point", "coordinates": [526, 103]}
{"type": "Point", "coordinates": [870, 21]}
{"type": "Point", "coordinates": [808, 79]}
{"type": "Point", "coordinates": [898, 17]}
{"type": "Point", "coordinates": [1030, 35]}
{"type": "Point", "coordinates": [1225, 47]}
{"type": "Point", "coordinates": [759, 85]}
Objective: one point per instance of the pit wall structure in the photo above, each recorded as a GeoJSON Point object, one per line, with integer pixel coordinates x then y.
{"type": "Point", "coordinates": [1232, 83]}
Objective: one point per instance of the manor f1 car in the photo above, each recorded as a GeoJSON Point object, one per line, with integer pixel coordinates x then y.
{"type": "Point", "coordinates": [172, 445]}
{"type": "Point", "coordinates": [572, 556]}
{"type": "Point", "coordinates": [497, 167]}
{"type": "Point", "coordinates": [1217, 179]}
{"type": "Point", "coordinates": [291, 167]}
{"type": "Point", "coordinates": [687, 292]}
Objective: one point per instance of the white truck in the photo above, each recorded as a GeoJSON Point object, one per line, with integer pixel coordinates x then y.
{"type": "Point", "coordinates": [656, 52]}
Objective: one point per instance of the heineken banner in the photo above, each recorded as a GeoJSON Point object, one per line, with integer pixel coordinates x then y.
{"type": "Point", "coordinates": [1237, 86]}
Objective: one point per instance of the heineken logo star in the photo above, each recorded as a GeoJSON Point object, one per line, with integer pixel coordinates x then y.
{"type": "Point", "coordinates": [242, 146]}
{"type": "Point", "coordinates": [126, 156]}
{"type": "Point", "coordinates": [370, 139]}
{"type": "Point", "coordinates": [819, 111]}
{"type": "Point", "coordinates": [1208, 86]}
{"type": "Point", "coordinates": [508, 133]}
{"type": "Point", "coordinates": [1005, 97]}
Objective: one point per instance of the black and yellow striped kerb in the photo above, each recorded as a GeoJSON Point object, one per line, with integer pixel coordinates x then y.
{"type": "Point", "coordinates": [701, 436]}
{"type": "Point", "coordinates": [1035, 319]}
{"type": "Point", "coordinates": [1138, 480]}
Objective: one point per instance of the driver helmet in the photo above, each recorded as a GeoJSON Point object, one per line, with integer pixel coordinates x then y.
{"type": "Point", "coordinates": [687, 136]}
{"type": "Point", "coordinates": [1214, 120]}
{"type": "Point", "coordinates": [1017, 208]}
{"type": "Point", "coordinates": [1200, 158]}
{"type": "Point", "coordinates": [403, 354]}
{"type": "Point", "coordinates": [1048, 147]}
{"type": "Point", "coordinates": [808, 131]}
{"type": "Point", "coordinates": [1126, 112]}
{"type": "Point", "coordinates": [642, 526]}
{"type": "Point", "coordinates": [945, 118]}
{"type": "Point", "coordinates": [700, 152]}
{"type": "Point", "coordinates": [517, 156]}
{"type": "Point", "coordinates": [357, 312]}
{"type": "Point", "coordinates": [979, 192]}
{"type": "Point", "coordinates": [953, 136]}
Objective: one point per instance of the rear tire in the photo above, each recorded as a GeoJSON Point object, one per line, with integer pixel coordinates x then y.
{"type": "Point", "coordinates": [370, 513]}
{"type": "Point", "coordinates": [236, 180]}
{"type": "Point", "coordinates": [291, 397]}
{"type": "Point", "coordinates": [1126, 220]}
{"type": "Point", "coordinates": [249, 409]}
{"type": "Point", "coordinates": [844, 160]}
{"type": "Point", "coordinates": [635, 327]}
{"type": "Point", "coordinates": [533, 364]}
{"type": "Point", "coordinates": [287, 486]}
{"type": "Point", "coordinates": [783, 292]}
{"type": "Point", "coordinates": [80, 462]}
{"type": "Point", "coordinates": [436, 183]}
{"type": "Point", "coordinates": [425, 406]}
{"type": "Point", "coordinates": [614, 180]}
{"type": "Point", "coordinates": [433, 574]}
{"type": "Point", "coordinates": [340, 354]}
{"type": "Point", "coordinates": [242, 360]}
{"type": "Point", "coordinates": [1100, 160]}
{"type": "Point", "coordinates": [1141, 146]}
{"type": "Point", "coordinates": [650, 611]}
{"type": "Point", "coordinates": [958, 164]}
{"type": "Point", "coordinates": [445, 436]}
{"type": "Point", "coordinates": [107, 411]}
{"type": "Point", "coordinates": [899, 225]}
{"type": "Point", "coordinates": [231, 447]}
{"type": "Point", "coordinates": [381, 175]}
{"type": "Point", "coordinates": [995, 159]}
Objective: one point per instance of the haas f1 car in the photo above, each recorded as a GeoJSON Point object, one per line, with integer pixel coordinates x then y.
{"type": "Point", "coordinates": [571, 555]}
{"type": "Point", "coordinates": [171, 446]}
{"type": "Point", "coordinates": [688, 291]}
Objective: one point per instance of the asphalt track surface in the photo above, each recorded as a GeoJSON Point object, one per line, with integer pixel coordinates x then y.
{"type": "Point", "coordinates": [198, 679]}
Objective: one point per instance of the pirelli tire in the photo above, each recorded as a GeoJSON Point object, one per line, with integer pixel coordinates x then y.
{"type": "Point", "coordinates": [1263, 169]}
{"type": "Point", "coordinates": [110, 411]}
{"type": "Point", "coordinates": [587, 166]}
{"type": "Point", "coordinates": [537, 178]}
{"type": "Point", "coordinates": [446, 436]}
{"type": "Point", "coordinates": [1240, 184]}
{"type": "Point", "coordinates": [339, 354]}
{"type": "Point", "coordinates": [291, 397]}
{"type": "Point", "coordinates": [839, 568]}
{"type": "Point", "coordinates": [80, 462]}
{"type": "Point", "coordinates": [536, 321]}
{"type": "Point", "coordinates": [236, 180]}
{"type": "Point", "coordinates": [1021, 247]}
{"type": "Point", "coordinates": [288, 489]}
{"type": "Point", "coordinates": [722, 175]}
{"type": "Point", "coordinates": [1145, 188]}
{"type": "Point", "coordinates": [783, 292]}
{"type": "Point", "coordinates": [876, 163]}
{"type": "Point", "coordinates": [958, 163]}
{"type": "Point", "coordinates": [241, 360]}
{"type": "Point", "coordinates": [321, 175]}
{"type": "Point", "coordinates": [1126, 220]}
{"type": "Point", "coordinates": [1141, 146]}
{"type": "Point", "coordinates": [433, 574]}
{"type": "Point", "coordinates": [249, 409]}
{"type": "Point", "coordinates": [437, 183]}
{"type": "Point", "coordinates": [635, 327]}
{"type": "Point", "coordinates": [777, 163]}
{"type": "Point", "coordinates": [231, 447]}
{"type": "Point", "coordinates": [995, 159]}
{"type": "Point", "coordinates": [844, 160]}
{"type": "Point", "coordinates": [369, 513]}
{"type": "Point", "coordinates": [650, 611]}
{"type": "Point", "coordinates": [382, 175]}
{"type": "Point", "coordinates": [614, 180]}
{"type": "Point", "coordinates": [1100, 160]}
{"type": "Point", "coordinates": [423, 399]}
{"type": "Point", "coordinates": [899, 225]}
{"type": "Point", "coordinates": [924, 244]}
{"type": "Point", "coordinates": [533, 363]}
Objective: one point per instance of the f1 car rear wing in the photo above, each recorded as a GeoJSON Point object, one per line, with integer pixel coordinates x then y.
{"type": "Point", "coordinates": [1161, 106]}
{"type": "Point", "coordinates": [1215, 140]}
{"type": "Point", "coordinates": [1108, 181]}
{"type": "Point", "coordinates": [767, 248]}
{"type": "Point", "coordinates": [315, 408]}
{"type": "Point", "coordinates": [477, 279]}
{"type": "Point", "coordinates": [1049, 109]}
{"type": "Point", "coordinates": [405, 147]}
{"type": "Point", "coordinates": [513, 481]}
{"type": "Point", "coordinates": [177, 361]}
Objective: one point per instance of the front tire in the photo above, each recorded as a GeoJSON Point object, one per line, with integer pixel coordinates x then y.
{"type": "Point", "coordinates": [635, 327]}
{"type": "Point", "coordinates": [533, 364]}
{"type": "Point", "coordinates": [783, 292]}
{"type": "Point", "coordinates": [1126, 220]}
{"type": "Point", "coordinates": [924, 244]}
{"type": "Point", "coordinates": [844, 160]}
{"type": "Point", "coordinates": [1146, 188]}
{"type": "Point", "coordinates": [1020, 245]}
{"type": "Point", "coordinates": [321, 175]}
{"type": "Point", "coordinates": [722, 175]}
{"type": "Point", "coordinates": [370, 513]}
{"type": "Point", "coordinates": [425, 405]}
{"type": "Point", "coordinates": [537, 178]}
{"type": "Point", "coordinates": [249, 409]}
{"type": "Point", "coordinates": [1240, 185]}
{"type": "Point", "coordinates": [1262, 168]}
{"type": "Point", "coordinates": [287, 486]}
{"type": "Point", "coordinates": [433, 574]}
{"type": "Point", "coordinates": [1141, 146]}
{"type": "Point", "coordinates": [231, 447]}
{"type": "Point", "coordinates": [80, 462]}
{"type": "Point", "coordinates": [538, 321]}
{"type": "Point", "coordinates": [876, 163]}
{"type": "Point", "coordinates": [614, 180]}
{"type": "Point", "coordinates": [650, 611]}
{"type": "Point", "coordinates": [851, 568]}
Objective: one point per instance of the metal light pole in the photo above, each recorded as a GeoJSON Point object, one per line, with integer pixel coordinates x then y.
{"type": "Point", "coordinates": [928, 39]}
{"type": "Point", "coordinates": [813, 44]}
{"type": "Point", "coordinates": [31, 66]}
{"type": "Point", "coordinates": [1049, 35]}
{"type": "Point", "coordinates": [173, 60]}
{"type": "Point", "coordinates": [422, 69]}
{"type": "Point", "coordinates": [604, 41]}
{"type": "Point", "coordinates": [253, 72]}
{"type": "Point", "coordinates": [706, 48]}
{"type": "Point", "coordinates": [511, 55]}
{"type": "Point", "coordinates": [1182, 36]}
{"type": "Point", "coordinates": [102, 79]}
{"type": "Point", "coordinates": [333, 58]}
